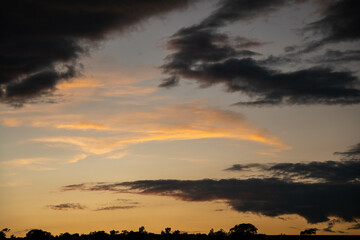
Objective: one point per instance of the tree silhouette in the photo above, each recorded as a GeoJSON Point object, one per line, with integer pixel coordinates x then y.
{"type": "Point", "coordinates": [37, 234]}
{"type": "Point", "coordinates": [243, 229]}
{"type": "Point", "coordinates": [167, 231]}
{"type": "Point", "coordinates": [142, 230]}
{"type": "Point", "coordinates": [221, 233]}
{"type": "Point", "coordinates": [113, 232]}
{"type": "Point", "coordinates": [3, 233]}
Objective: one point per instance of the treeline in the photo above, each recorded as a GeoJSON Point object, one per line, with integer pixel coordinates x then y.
{"type": "Point", "coordinates": [244, 231]}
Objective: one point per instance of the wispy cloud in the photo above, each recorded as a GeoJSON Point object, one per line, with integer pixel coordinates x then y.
{"type": "Point", "coordinates": [110, 208]}
{"type": "Point", "coordinates": [11, 122]}
{"type": "Point", "coordinates": [78, 158]}
{"type": "Point", "coordinates": [82, 126]}
{"type": "Point", "coordinates": [129, 90]}
{"type": "Point", "coordinates": [36, 164]}
{"type": "Point", "coordinates": [167, 123]}
{"type": "Point", "coordinates": [24, 161]}
{"type": "Point", "coordinates": [67, 206]}
{"type": "Point", "coordinates": [80, 83]}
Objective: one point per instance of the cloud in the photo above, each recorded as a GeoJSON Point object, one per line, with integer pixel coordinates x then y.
{"type": "Point", "coordinates": [86, 144]}
{"type": "Point", "coordinates": [335, 56]}
{"type": "Point", "coordinates": [125, 204]}
{"type": "Point", "coordinates": [234, 10]}
{"type": "Point", "coordinates": [67, 206]}
{"type": "Point", "coordinates": [115, 208]}
{"type": "Point", "coordinates": [353, 152]}
{"type": "Point", "coordinates": [11, 122]}
{"type": "Point", "coordinates": [243, 42]}
{"type": "Point", "coordinates": [271, 197]}
{"type": "Point", "coordinates": [345, 171]}
{"type": "Point", "coordinates": [355, 226]}
{"type": "Point", "coordinates": [129, 90]}
{"type": "Point", "coordinates": [42, 163]}
{"type": "Point", "coordinates": [80, 83]}
{"type": "Point", "coordinates": [331, 225]}
{"type": "Point", "coordinates": [78, 158]}
{"type": "Point", "coordinates": [337, 195]}
{"type": "Point", "coordinates": [203, 54]}
{"type": "Point", "coordinates": [163, 123]}
{"type": "Point", "coordinates": [169, 82]}
{"type": "Point", "coordinates": [328, 171]}
{"type": "Point", "coordinates": [82, 126]}
{"type": "Point", "coordinates": [36, 164]}
{"type": "Point", "coordinates": [42, 42]}
{"type": "Point", "coordinates": [118, 155]}
{"type": "Point", "coordinates": [338, 23]}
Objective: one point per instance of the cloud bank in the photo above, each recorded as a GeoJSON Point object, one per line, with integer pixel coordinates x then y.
{"type": "Point", "coordinates": [270, 197]}
{"type": "Point", "coordinates": [42, 41]}
{"type": "Point", "coordinates": [336, 195]}
{"type": "Point", "coordinates": [203, 54]}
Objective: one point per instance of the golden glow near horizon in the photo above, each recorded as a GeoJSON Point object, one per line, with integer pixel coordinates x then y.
{"type": "Point", "coordinates": [113, 124]}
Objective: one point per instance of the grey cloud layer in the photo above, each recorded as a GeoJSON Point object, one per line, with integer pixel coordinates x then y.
{"type": "Point", "coordinates": [340, 22]}
{"type": "Point", "coordinates": [345, 171]}
{"type": "Point", "coordinates": [203, 54]}
{"type": "Point", "coordinates": [336, 195]}
{"type": "Point", "coordinates": [328, 171]}
{"type": "Point", "coordinates": [271, 197]}
{"type": "Point", "coordinates": [41, 41]}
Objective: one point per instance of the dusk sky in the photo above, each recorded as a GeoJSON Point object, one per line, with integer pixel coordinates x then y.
{"type": "Point", "coordinates": [189, 114]}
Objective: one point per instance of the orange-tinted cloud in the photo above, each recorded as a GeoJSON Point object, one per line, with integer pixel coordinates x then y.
{"type": "Point", "coordinates": [80, 83]}
{"type": "Point", "coordinates": [166, 123]}
{"type": "Point", "coordinates": [82, 126]}
{"type": "Point", "coordinates": [11, 122]}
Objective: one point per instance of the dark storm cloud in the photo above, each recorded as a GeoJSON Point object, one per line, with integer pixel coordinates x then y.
{"type": "Point", "coordinates": [328, 171]}
{"type": "Point", "coordinates": [287, 191]}
{"type": "Point", "coordinates": [271, 197]}
{"type": "Point", "coordinates": [41, 41]}
{"type": "Point", "coordinates": [345, 171]}
{"type": "Point", "coordinates": [265, 86]}
{"type": "Point", "coordinates": [203, 54]}
{"type": "Point", "coordinates": [67, 206]}
{"type": "Point", "coordinates": [340, 22]}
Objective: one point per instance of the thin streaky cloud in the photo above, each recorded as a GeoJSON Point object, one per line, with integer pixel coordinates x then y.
{"type": "Point", "coordinates": [67, 206]}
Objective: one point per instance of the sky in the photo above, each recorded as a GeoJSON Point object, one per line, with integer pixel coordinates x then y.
{"type": "Point", "coordinates": [193, 115]}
